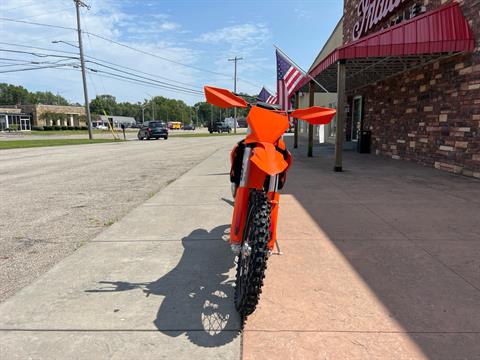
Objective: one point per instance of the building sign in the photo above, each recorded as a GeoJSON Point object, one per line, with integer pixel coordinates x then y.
{"type": "Point", "coordinates": [370, 12]}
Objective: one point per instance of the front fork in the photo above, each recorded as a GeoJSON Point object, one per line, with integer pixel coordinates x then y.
{"type": "Point", "coordinates": [241, 195]}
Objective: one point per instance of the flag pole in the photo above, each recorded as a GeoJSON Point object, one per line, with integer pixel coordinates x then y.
{"type": "Point", "coordinates": [303, 71]}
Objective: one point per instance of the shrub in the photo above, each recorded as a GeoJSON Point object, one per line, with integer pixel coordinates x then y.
{"type": "Point", "coordinates": [38, 128]}
{"type": "Point", "coordinates": [47, 128]}
{"type": "Point", "coordinates": [83, 128]}
{"type": "Point", "coordinates": [56, 127]}
{"type": "Point", "coordinates": [63, 127]}
{"type": "Point", "coordinates": [76, 128]}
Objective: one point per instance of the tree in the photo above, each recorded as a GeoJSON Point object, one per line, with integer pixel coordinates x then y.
{"type": "Point", "coordinates": [101, 103]}
{"type": "Point", "coordinates": [18, 95]}
{"type": "Point", "coordinates": [13, 95]}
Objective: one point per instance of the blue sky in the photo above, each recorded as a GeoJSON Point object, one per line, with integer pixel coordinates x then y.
{"type": "Point", "coordinates": [201, 34]}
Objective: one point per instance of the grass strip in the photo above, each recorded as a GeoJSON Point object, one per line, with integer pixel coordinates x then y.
{"type": "Point", "coordinates": [17, 144]}
{"type": "Point", "coordinates": [205, 134]}
{"type": "Point", "coordinates": [71, 132]}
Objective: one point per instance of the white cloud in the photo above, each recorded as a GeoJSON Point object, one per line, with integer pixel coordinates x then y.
{"type": "Point", "coordinates": [244, 34]}
{"type": "Point", "coordinates": [243, 40]}
{"type": "Point", "coordinates": [302, 14]}
{"type": "Point", "coordinates": [169, 26]}
{"type": "Point", "coordinates": [105, 18]}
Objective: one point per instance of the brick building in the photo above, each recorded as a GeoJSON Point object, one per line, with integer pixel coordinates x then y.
{"type": "Point", "coordinates": [43, 115]}
{"type": "Point", "coordinates": [412, 77]}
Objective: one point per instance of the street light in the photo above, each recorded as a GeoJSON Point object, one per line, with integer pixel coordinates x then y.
{"type": "Point", "coordinates": [65, 42]}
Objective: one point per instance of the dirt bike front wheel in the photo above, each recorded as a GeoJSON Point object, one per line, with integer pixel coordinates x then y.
{"type": "Point", "coordinates": [252, 259]}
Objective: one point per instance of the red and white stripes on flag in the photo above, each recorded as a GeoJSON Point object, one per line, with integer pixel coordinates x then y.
{"type": "Point", "coordinates": [288, 76]}
{"type": "Point", "coordinates": [272, 99]}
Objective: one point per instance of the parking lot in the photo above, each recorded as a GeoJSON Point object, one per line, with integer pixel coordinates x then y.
{"type": "Point", "coordinates": [54, 200]}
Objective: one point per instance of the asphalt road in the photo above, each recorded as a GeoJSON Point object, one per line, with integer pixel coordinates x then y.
{"type": "Point", "coordinates": [53, 200]}
{"type": "Point", "coordinates": [130, 134]}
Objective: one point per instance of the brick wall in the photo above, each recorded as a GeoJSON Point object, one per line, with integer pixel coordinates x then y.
{"type": "Point", "coordinates": [430, 115]}
{"type": "Point", "coordinates": [37, 111]}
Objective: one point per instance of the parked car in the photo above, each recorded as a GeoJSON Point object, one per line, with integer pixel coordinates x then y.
{"type": "Point", "coordinates": [102, 127]}
{"type": "Point", "coordinates": [188, 127]}
{"type": "Point", "coordinates": [153, 129]}
{"type": "Point", "coordinates": [219, 127]}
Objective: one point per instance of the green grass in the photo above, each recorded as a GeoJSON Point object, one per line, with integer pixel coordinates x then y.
{"type": "Point", "coordinates": [15, 144]}
{"type": "Point", "coordinates": [206, 134]}
{"type": "Point", "coordinates": [66, 132]}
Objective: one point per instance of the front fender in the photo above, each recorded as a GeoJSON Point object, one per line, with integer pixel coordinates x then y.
{"type": "Point", "coordinates": [268, 159]}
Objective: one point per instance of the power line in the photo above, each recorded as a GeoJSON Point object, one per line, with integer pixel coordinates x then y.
{"type": "Point", "coordinates": [139, 79]}
{"type": "Point", "coordinates": [139, 82]}
{"type": "Point", "coordinates": [38, 54]}
{"type": "Point", "coordinates": [121, 66]}
{"type": "Point", "coordinates": [106, 66]}
{"type": "Point", "coordinates": [38, 24]}
{"type": "Point", "coordinates": [124, 79]}
{"type": "Point", "coordinates": [119, 44]}
{"type": "Point", "coordinates": [149, 82]}
{"type": "Point", "coordinates": [31, 62]}
{"type": "Point", "coordinates": [143, 77]}
{"type": "Point", "coordinates": [35, 68]}
{"type": "Point", "coordinates": [104, 61]}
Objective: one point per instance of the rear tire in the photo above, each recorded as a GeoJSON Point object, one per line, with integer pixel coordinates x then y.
{"type": "Point", "coordinates": [251, 268]}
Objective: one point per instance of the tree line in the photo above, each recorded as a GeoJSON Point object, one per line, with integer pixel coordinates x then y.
{"type": "Point", "coordinates": [157, 107]}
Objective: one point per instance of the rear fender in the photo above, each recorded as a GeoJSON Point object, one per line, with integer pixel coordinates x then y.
{"type": "Point", "coordinates": [268, 159]}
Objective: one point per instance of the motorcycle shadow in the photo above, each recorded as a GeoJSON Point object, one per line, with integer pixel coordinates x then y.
{"type": "Point", "coordinates": [198, 295]}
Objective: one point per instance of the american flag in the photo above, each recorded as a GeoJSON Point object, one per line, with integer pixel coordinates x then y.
{"type": "Point", "coordinates": [288, 76]}
{"type": "Point", "coordinates": [267, 97]}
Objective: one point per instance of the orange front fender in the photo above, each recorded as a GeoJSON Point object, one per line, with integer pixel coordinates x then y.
{"type": "Point", "coordinates": [268, 159]}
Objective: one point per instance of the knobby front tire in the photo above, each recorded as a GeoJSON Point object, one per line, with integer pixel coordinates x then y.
{"type": "Point", "coordinates": [251, 268]}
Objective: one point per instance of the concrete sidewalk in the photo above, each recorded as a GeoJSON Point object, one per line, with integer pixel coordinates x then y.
{"type": "Point", "coordinates": [381, 261]}
{"type": "Point", "coordinates": [155, 285]}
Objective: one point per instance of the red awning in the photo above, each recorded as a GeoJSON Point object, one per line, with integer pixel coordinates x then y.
{"type": "Point", "coordinates": [413, 42]}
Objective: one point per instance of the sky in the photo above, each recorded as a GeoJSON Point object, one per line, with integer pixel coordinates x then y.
{"type": "Point", "coordinates": [195, 37]}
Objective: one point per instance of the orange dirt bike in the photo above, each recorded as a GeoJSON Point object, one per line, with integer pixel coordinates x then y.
{"type": "Point", "coordinates": [258, 170]}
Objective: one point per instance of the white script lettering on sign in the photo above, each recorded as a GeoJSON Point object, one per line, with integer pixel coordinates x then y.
{"type": "Point", "coordinates": [370, 12]}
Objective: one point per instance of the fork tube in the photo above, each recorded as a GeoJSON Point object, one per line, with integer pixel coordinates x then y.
{"type": "Point", "coordinates": [241, 201]}
{"type": "Point", "coordinates": [273, 184]}
{"type": "Point", "coordinates": [245, 166]}
{"type": "Point", "coordinates": [274, 197]}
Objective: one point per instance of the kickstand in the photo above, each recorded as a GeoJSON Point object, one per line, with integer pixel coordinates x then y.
{"type": "Point", "coordinates": [279, 252]}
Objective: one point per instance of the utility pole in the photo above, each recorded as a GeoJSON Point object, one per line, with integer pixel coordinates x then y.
{"type": "Point", "coordinates": [235, 59]}
{"type": "Point", "coordinates": [211, 116]}
{"type": "Point", "coordinates": [79, 3]}
{"type": "Point", "coordinates": [153, 110]}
